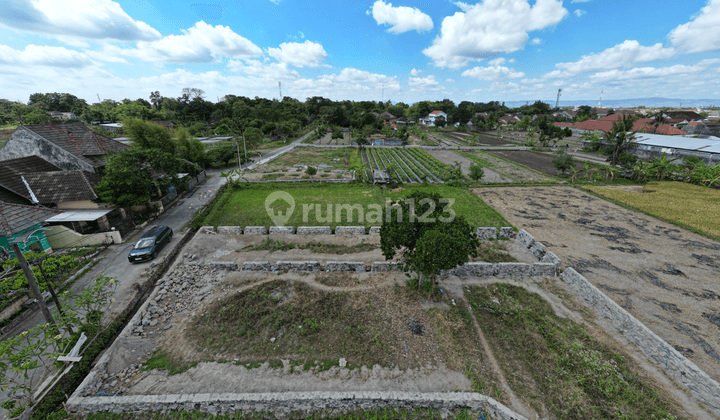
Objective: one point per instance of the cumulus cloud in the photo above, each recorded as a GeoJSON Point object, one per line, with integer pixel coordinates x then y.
{"type": "Point", "coordinates": [700, 34]}
{"type": "Point", "coordinates": [351, 75]}
{"type": "Point", "coordinates": [490, 26]}
{"type": "Point", "coordinates": [415, 72]}
{"type": "Point", "coordinates": [645, 72]}
{"type": "Point", "coordinates": [202, 43]}
{"type": "Point", "coordinates": [306, 54]}
{"type": "Point", "coordinates": [93, 19]}
{"type": "Point", "coordinates": [272, 71]}
{"type": "Point", "coordinates": [34, 55]}
{"type": "Point", "coordinates": [497, 62]}
{"type": "Point", "coordinates": [401, 19]}
{"type": "Point", "coordinates": [493, 73]}
{"type": "Point", "coordinates": [621, 55]}
{"type": "Point", "coordinates": [536, 41]}
{"type": "Point", "coordinates": [579, 12]}
{"type": "Point", "coordinates": [423, 82]}
{"type": "Point", "coordinates": [450, 81]}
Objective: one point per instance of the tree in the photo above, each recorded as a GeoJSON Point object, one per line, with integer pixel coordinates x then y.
{"type": "Point", "coordinates": [429, 237]}
{"type": "Point", "coordinates": [222, 154]}
{"type": "Point", "coordinates": [128, 179]}
{"type": "Point", "coordinates": [563, 162]}
{"type": "Point", "coordinates": [476, 172]}
{"type": "Point", "coordinates": [155, 99]}
{"type": "Point", "coordinates": [440, 122]}
{"type": "Point", "coordinates": [253, 137]}
{"type": "Point", "coordinates": [190, 149]}
{"type": "Point", "coordinates": [620, 136]}
{"type": "Point", "coordinates": [147, 135]}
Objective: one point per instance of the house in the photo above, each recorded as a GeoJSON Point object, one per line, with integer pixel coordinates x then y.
{"type": "Point", "coordinates": [62, 115]}
{"type": "Point", "coordinates": [561, 125]}
{"type": "Point", "coordinates": [277, 135]}
{"type": "Point", "coordinates": [644, 125]}
{"type": "Point", "coordinates": [714, 115]}
{"type": "Point", "coordinates": [507, 120]}
{"type": "Point", "coordinates": [387, 117]}
{"type": "Point", "coordinates": [65, 189]}
{"type": "Point", "coordinates": [688, 116]}
{"type": "Point", "coordinates": [430, 119]}
{"type": "Point", "coordinates": [23, 225]}
{"type": "Point", "coordinates": [566, 114]}
{"type": "Point", "coordinates": [703, 128]}
{"type": "Point", "coordinates": [67, 146]}
{"type": "Point", "coordinates": [12, 187]}
{"type": "Point", "coordinates": [111, 127]}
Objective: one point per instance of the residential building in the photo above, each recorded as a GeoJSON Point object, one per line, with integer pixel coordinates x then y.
{"type": "Point", "coordinates": [67, 146]}
{"type": "Point", "coordinates": [23, 225]}
{"type": "Point", "coordinates": [430, 119]}
{"type": "Point", "coordinates": [62, 115]}
{"type": "Point", "coordinates": [642, 125]}
{"type": "Point", "coordinates": [12, 187]}
{"type": "Point", "coordinates": [65, 189]}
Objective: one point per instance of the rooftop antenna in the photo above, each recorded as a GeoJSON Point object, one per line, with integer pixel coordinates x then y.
{"type": "Point", "coordinates": [600, 101]}
{"type": "Point", "coordinates": [280, 88]}
{"type": "Point", "coordinates": [98, 95]}
{"type": "Point", "coordinates": [680, 104]}
{"type": "Point", "coordinates": [557, 102]}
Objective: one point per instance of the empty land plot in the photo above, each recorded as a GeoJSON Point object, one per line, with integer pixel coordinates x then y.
{"type": "Point", "coordinates": [665, 276]}
{"type": "Point", "coordinates": [249, 332]}
{"type": "Point", "coordinates": [314, 156]}
{"type": "Point", "coordinates": [517, 173]}
{"type": "Point", "coordinates": [449, 157]}
{"type": "Point", "coordinates": [541, 162]}
{"type": "Point", "coordinates": [318, 205]}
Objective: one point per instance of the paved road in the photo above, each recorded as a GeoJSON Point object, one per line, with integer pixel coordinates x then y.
{"type": "Point", "coordinates": [276, 152]}
{"type": "Point", "coordinates": [116, 265]}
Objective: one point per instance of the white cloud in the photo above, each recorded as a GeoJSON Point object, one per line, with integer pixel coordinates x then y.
{"type": "Point", "coordinates": [402, 19]}
{"type": "Point", "coordinates": [645, 72]}
{"type": "Point", "coordinates": [423, 82]}
{"type": "Point", "coordinates": [271, 71]}
{"type": "Point", "coordinates": [415, 72]}
{"type": "Point", "coordinates": [276, 1]}
{"type": "Point", "coordinates": [492, 73]}
{"type": "Point", "coordinates": [536, 41]}
{"type": "Point", "coordinates": [34, 55]}
{"type": "Point", "coordinates": [700, 34]}
{"type": "Point", "coordinates": [306, 54]}
{"type": "Point", "coordinates": [92, 19]}
{"type": "Point", "coordinates": [491, 26]}
{"type": "Point", "coordinates": [579, 1]}
{"type": "Point", "coordinates": [579, 12]}
{"type": "Point", "coordinates": [202, 43]}
{"type": "Point", "coordinates": [450, 81]}
{"type": "Point", "coordinates": [497, 62]}
{"type": "Point", "coordinates": [351, 75]}
{"type": "Point", "coordinates": [621, 55]}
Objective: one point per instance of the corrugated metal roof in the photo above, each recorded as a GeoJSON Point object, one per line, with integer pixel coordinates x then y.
{"type": "Point", "coordinates": [678, 142]}
{"type": "Point", "coordinates": [80, 215]}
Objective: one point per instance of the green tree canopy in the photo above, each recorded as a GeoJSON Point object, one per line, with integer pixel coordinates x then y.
{"type": "Point", "coordinates": [147, 135]}
{"type": "Point", "coordinates": [429, 237]}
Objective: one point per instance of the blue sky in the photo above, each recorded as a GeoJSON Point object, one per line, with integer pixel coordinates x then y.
{"type": "Point", "coordinates": [409, 50]}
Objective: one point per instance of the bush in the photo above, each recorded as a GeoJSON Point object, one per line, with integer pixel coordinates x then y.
{"type": "Point", "coordinates": [311, 170]}
{"type": "Point", "coordinates": [627, 159]}
{"type": "Point", "coordinates": [476, 172]}
{"type": "Point", "coordinates": [563, 161]}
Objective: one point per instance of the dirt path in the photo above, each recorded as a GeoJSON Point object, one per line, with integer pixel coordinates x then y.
{"type": "Point", "coordinates": [665, 276]}
{"type": "Point", "coordinates": [449, 157]}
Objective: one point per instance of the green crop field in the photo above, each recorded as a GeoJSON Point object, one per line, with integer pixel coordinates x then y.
{"type": "Point", "coordinates": [246, 206]}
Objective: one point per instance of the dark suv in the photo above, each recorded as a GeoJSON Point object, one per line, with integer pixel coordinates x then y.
{"type": "Point", "coordinates": [150, 244]}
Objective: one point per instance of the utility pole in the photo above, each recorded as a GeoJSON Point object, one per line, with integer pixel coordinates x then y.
{"type": "Point", "coordinates": [33, 285]}
{"type": "Point", "coordinates": [52, 292]}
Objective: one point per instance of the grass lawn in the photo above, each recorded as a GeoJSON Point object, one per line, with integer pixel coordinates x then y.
{"type": "Point", "coordinates": [246, 206]}
{"type": "Point", "coordinates": [691, 205]}
{"type": "Point", "coordinates": [316, 156]}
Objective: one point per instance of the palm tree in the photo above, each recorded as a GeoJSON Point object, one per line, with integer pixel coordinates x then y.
{"type": "Point", "coordinates": [658, 120]}
{"type": "Point", "coordinates": [621, 135]}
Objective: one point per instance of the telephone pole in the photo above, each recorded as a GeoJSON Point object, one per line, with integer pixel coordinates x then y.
{"type": "Point", "coordinates": [33, 285]}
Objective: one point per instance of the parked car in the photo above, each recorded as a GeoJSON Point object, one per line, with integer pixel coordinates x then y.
{"type": "Point", "coordinates": [150, 244]}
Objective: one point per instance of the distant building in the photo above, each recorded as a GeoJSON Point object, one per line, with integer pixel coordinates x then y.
{"type": "Point", "coordinates": [62, 115]}
{"type": "Point", "coordinates": [111, 127]}
{"type": "Point", "coordinates": [430, 119]}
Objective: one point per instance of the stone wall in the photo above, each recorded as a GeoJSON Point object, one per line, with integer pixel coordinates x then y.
{"type": "Point", "coordinates": [682, 370]}
{"type": "Point", "coordinates": [292, 401]}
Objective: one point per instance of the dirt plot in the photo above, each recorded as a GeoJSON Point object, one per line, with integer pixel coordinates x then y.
{"type": "Point", "coordinates": [509, 169]}
{"type": "Point", "coordinates": [481, 140]}
{"type": "Point", "coordinates": [449, 157]}
{"type": "Point", "coordinates": [665, 276]}
{"type": "Point", "coordinates": [538, 161]}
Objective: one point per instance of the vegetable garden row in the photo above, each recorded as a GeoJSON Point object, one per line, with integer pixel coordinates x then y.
{"type": "Point", "coordinates": [405, 165]}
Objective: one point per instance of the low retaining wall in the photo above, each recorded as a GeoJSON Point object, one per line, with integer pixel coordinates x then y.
{"type": "Point", "coordinates": [282, 230]}
{"type": "Point", "coordinates": [255, 230]}
{"type": "Point", "coordinates": [312, 266]}
{"type": "Point", "coordinates": [350, 230]}
{"type": "Point", "coordinates": [333, 266]}
{"type": "Point", "coordinates": [683, 371]}
{"type": "Point", "coordinates": [292, 401]}
{"type": "Point", "coordinates": [314, 230]}
{"type": "Point", "coordinates": [256, 266]}
{"type": "Point", "coordinates": [236, 230]}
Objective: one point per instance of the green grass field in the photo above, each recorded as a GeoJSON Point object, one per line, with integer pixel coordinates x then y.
{"type": "Point", "coordinates": [246, 206]}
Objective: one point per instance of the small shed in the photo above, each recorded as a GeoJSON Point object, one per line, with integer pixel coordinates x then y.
{"type": "Point", "coordinates": [380, 176]}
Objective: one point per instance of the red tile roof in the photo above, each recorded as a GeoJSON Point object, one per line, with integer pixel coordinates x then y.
{"type": "Point", "coordinates": [435, 112]}
{"type": "Point", "coordinates": [561, 124]}
{"type": "Point", "coordinates": [642, 125]}
{"type": "Point", "coordinates": [693, 123]}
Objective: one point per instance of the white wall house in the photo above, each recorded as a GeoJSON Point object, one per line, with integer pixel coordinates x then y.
{"type": "Point", "coordinates": [430, 119]}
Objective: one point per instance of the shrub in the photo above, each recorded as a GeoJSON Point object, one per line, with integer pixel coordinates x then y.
{"type": "Point", "coordinates": [563, 161]}
{"type": "Point", "coordinates": [311, 170]}
{"type": "Point", "coordinates": [476, 172]}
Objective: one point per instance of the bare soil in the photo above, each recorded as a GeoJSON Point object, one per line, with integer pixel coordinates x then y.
{"type": "Point", "coordinates": [665, 276]}
{"type": "Point", "coordinates": [541, 162]}
{"type": "Point", "coordinates": [449, 157]}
